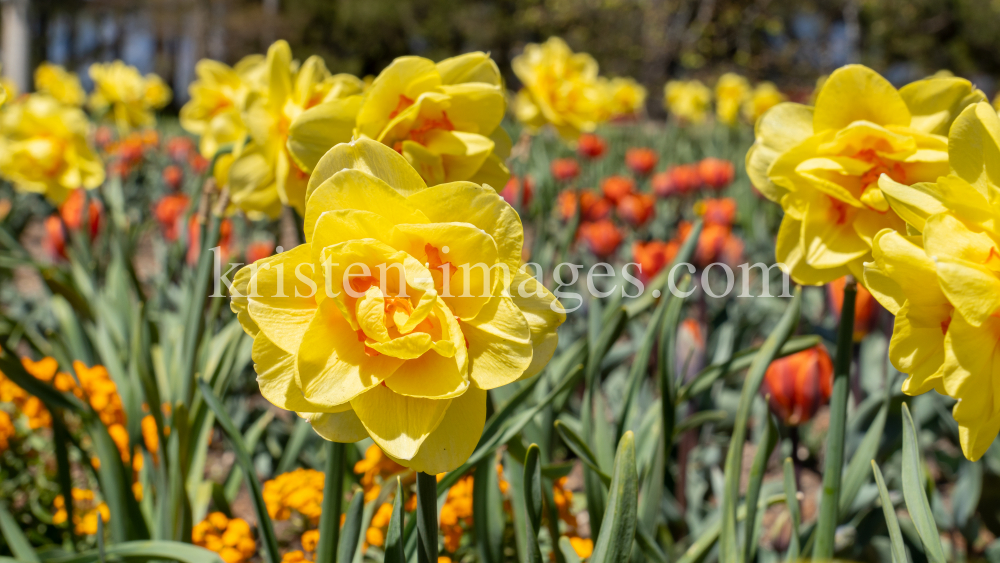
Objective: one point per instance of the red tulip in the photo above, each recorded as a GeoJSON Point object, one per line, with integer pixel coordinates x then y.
{"type": "Point", "coordinates": [168, 212]}
{"type": "Point", "coordinates": [617, 187]}
{"type": "Point", "coordinates": [565, 169]}
{"type": "Point", "coordinates": [799, 385]}
{"type": "Point", "coordinates": [636, 209]}
{"type": "Point", "coordinates": [602, 237]}
{"type": "Point", "coordinates": [716, 173]}
{"type": "Point", "coordinates": [518, 191]}
{"type": "Point", "coordinates": [642, 161]}
{"type": "Point", "coordinates": [677, 180]}
{"type": "Point", "coordinates": [591, 146]}
{"type": "Point", "coordinates": [259, 250]}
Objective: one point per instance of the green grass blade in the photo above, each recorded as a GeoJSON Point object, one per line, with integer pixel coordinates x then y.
{"type": "Point", "coordinates": [795, 514]}
{"type": "Point", "coordinates": [15, 538]}
{"type": "Point", "coordinates": [914, 493]}
{"type": "Point", "coordinates": [829, 504]}
{"type": "Point", "coordinates": [533, 502]}
{"type": "Point", "coordinates": [264, 524]}
{"type": "Point", "coordinates": [768, 440]}
{"type": "Point", "coordinates": [566, 548]}
{"type": "Point", "coordinates": [487, 512]}
{"type": "Point", "coordinates": [895, 536]}
{"type": "Point", "coordinates": [614, 543]}
{"type": "Point", "coordinates": [302, 432]}
{"type": "Point", "coordinates": [394, 552]}
{"type": "Point", "coordinates": [351, 534]}
{"type": "Point", "coordinates": [734, 457]}
{"type": "Point", "coordinates": [333, 496]}
{"type": "Point", "coordinates": [579, 447]}
{"type": "Point", "coordinates": [857, 474]}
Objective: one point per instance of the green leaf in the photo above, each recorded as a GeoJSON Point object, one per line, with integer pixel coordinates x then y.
{"type": "Point", "coordinates": [734, 457]}
{"type": "Point", "coordinates": [264, 524]}
{"type": "Point", "coordinates": [857, 475]}
{"type": "Point", "coordinates": [487, 512]}
{"type": "Point", "coordinates": [648, 546]}
{"type": "Point", "coordinates": [333, 497]}
{"type": "Point", "coordinates": [577, 445]}
{"type": "Point", "coordinates": [614, 543]}
{"type": "Point", "coordinates": [792, 501]}
{"type": "Point", "coordinates": [64, 476]}
{"type": "Point", "coordinates": [566, 548]}
{"type": "Point", "coordinates": [146, 551]}
{"type": "Point", "coordinates": [914, 493]}
{"type": "Point", "coordinates": [533, 502]}
{"type": "Point", "coordinates": [895, 536]}
{"type": "Point", "coordinates": [394, 552]}
{"type": "Point", "coordinates": [829, 504]}
{"type": "Point", "coordinates": [698, 419]}
{"type": "Point", "coordinates": [15, 538]}
{"type": "Point", "coordinates": [968, 490]}
{"type": "Point", "coordinates": [352, 529]}
{"type": "Point", "coordinates": [250, 439]}
{"type": "Point", "coordinates": [302, 432]}
{"type": "Point", "coordinates": [427, 518]}
{"type": "Point", "coordinates": [768, 440]}
{"type": "Point", "coordinates": [710, 534]}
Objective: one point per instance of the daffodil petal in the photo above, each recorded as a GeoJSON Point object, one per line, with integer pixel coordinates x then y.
{"type": "Point", "coordinates": [456, 437]}
{"type": "Point", "coordinates": [358, 190]}
{"type": "Point", "coordinates": [397, 423]}
{"type": "Point", "coordinates": [370, 157]}
{"type": "Point", "coordinates": [276, 377]}
{"type": "Point", "coordinates": [872, 98]}
{"type": "Point", "coordinates": [500, 348]}
{"type": "Point", "coordinates": [280, 303]}
{"type": "Point", "coordinates": [344, 427]}
{"type": "Point", "coordinates": [319, 128]}
{"type": "Point", "coordinates": [544, 315]}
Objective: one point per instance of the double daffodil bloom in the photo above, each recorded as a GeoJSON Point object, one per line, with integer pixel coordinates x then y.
{"type": "Point", "coordinates": [687, 100]}
{"type": "Point", "coordinates": [823, 163]}
{"type": "Point", "coordinates": [44, 148]}
{"type": "Point", "coordinates": [263, 176]}
{"type": "Point", "coordinates": [396, 315]}
{"type": "Point", "coordinates": [59, 83]}
{"type": "Point", "coordinates": [765, 96]}
{"type": "Point", "coordinates": [626, 98]}
{"type": "Point", "coordinates": [126, 97]}
{"type": "Point", "coordinates": [214, 112]}
{"type": "Point", "coordinates": [949, 325]}
{"type": "Point", "coordinates": [444, 118]}
{"type": "Point", "coordinates": [730, 92]}
{"type": "Point", "coordinates": [561, 88]}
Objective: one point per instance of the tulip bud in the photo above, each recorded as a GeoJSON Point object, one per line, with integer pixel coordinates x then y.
{"type": "Point", "coordinates": [677, 180]}
{"type": "Point", "coordinates": [690, 358]}
{"type": "Point", "coordinates": [71, 212]}
{"type": "Point", "coordinates": [259, 250]}
{"type": "Point", "coordinates": [799, 384]}
{"type": "Point", "coordinates": [591, 146]}
{"type": "Point", "coordinates": [653, 256]}
{"type": "Point", "coordinates": [518, 192]}
{"type": "Point", "coordinates": [636, 209]}
{"type": "Point", "coordinates": [594, 207]}
{"type": "Point", "coordinates": [168, 211]}
{"type": "Point", "coordinates": [602, 237]}
{"type": "Point", "coordinates": [865, 307]}
{"type": "Point", "coordinates": [642, 161]}
{"type": "Point", "coordinates": [194, 240]}
{"type": "Point", "coordinates": [565, 169]}
{"type": "Point", "coordinates": [617, 187]}
{"type": "Point", "coordinates": [55, 237]}
{"type": "Point", "coordinates": [173, 176]}
{"type": "Point", "coordinates": [716, 173]}
{"type": "Point", "coordinates": [717, 211]}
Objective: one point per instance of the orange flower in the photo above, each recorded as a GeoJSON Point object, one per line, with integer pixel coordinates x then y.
{"type": "Point", "coordinates": [602, 237]}
{"type": "Point", "coordinates": [194, 240]}
{"type": "Point", "coordinates": [168, 211]}
{"type": "Point", "coordinates": [565, 169]}
{"type": "Point", "coordinates": [594, 207]}
{"type": "Point", "coordinates": [231, 538]}
{"type": "Point", "coordinates": [518, 191]}
{"type": "Point", "coordinates": [636, 209]}
{"type": "Point", "coordinates": [173, 176]}
{"type": "Point", "coordinates": [199, 164]}
{"type": "Point", "coordinates": [259, 250]}
{"type": "Point", "coordinates": [456, 513]}
{"type": "Point", "coordinates": [591, 146]}
{"type": "Point", "coordinates": [865, 306]}
{"type": "Point", "coordinates": [71, 212]}
{"type": "Point", "coordinates": [716, 173]}
{"type": "Point", "coordinates": [716, 243]}
{"type": "Point", "coordinates": [180, 148]}
{"type": "Point", "coordinates": [799, 384]}
{"type": "Point", "coordinates": [584, 547]}
{"type": "Point", "coordinates": [642, 161]}
{"type": "Point", "coordinates": [677, 180]}
{"type": "Point", "coordinates": [690, 357]}
{"type": "Point", "coordinates": [653, 256]}
{"type": "Point", "coordinates": [617, 187]}
{"type": "Point", "coordinates": [375, 468]}
{"type": "Point", "coordinates": [7, 430]}
{"type": "Point", "coordinates": [55, 237]}
{"type": "Point", "coordinates": [566, 204]}
{"type": "Point", "coordinates": [720, 211]}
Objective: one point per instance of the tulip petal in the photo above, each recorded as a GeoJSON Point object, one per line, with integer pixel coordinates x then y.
{"type": "Point", "coordinates": [333, 365]}
{"type": "Point", "coordinates": [397, 423]}
{"type": "Point", "coordinates": [276, 297]}
{"type": "Point", "coordinates": [858, 93]}
{"type": "Point", "coordinates": [544, 315]}
{"type": "Point", "coordinates": [370, 157]}
{"type": "Point", "coordinates": [456, 437]}
{"type": "Point", "coordinates": [358, 190]}
{"type": "Point", "coordinates": [316, 130]}
{"type": "Point", "coordinates": [344, 427]}
{"type": "Point", "coordinates": [500, 347]}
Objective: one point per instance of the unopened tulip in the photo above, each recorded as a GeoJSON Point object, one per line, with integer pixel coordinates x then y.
{"type": "Point", "coordinates": [865, 307]}
{"type": "Point", "coordinates": [716, 173]}
{"type": "Point", "coordinates": [601, 237]}
{"type": "Point", "coordinates": [617, 187]}
{"type": "Point", "coordinates": [518, 191]}
{"type": "Point", "coordinates": [799, 384]}
{"type": "Point", "coordinates": [677, 180]}
{"type": "Point", "coordinates": [591, 146]}
{"type": "Point", "coordinates": [642, 161]}
{"type": "Point", "coordinates": [565, 169]}
{"type": "Point", "coordinates": [636, 209]}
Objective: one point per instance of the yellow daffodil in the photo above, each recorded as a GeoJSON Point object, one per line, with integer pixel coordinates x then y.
{"type": "Point", "coordinates": [560, 88]}
{"type": "Point", "coordinates": [948, 326]}
{"type": "Point", "coordinates": [3, 95]}
{"type": "Point", "coordinates": [263, 176]}
{"type": "Point", "coordinates": [765, 96]}
{"type": "Point", "coordinates": [44, 148]}
{"type": "Point", "coordinates": [126, 97]}
{"type": "Point", "coordinates": [410, 317]}
{"type": "Point", "coordinates": [444, 118]}
{"type": "Point", "coordinates": [214, 112]}
{"type": "Point", "coordinates": [730, 92]}
{"type": "Point", "coordinates": [823, 163]}
{"type": "Point", "coordinates": [687, 100]}
{"type": "Point", "coordinates": [626, 98]}
{"type": "Point", "coordinates": [59, 83]}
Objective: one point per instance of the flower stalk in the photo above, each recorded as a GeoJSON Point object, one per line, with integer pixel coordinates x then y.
{"type": "Point", "coordinates": [427, 518]}
{"type": "Point", "coordinates": [333, 496]}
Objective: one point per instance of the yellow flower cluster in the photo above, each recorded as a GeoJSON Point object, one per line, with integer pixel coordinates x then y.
{"type": "Point", "coordinates": [59, 83]}
{"type": "Point", "coordinates": [85, 512]}
{"type": "Point", "coordinates": [309, 542]}
{"type": "Point", "coordinates": [374, 469]}
{"type": "Point", "coordinates": [563, 498]}
{"type": "Point", "coordinates": [563, 89]}
{"type": "Point", "coordinates": [300, 490]}
{"type": "Point", "coordinates": [403, 348]}
{"type": "Point", "coordinates": [231, 538]}
{"type": "Point", "coordinates": [375, 535]}
{"type": "Point", "coordinates": [125, 97]}
{"type": "Point", "coordinates": [7, 430]}
{"type": "Point", "coordinates": [690, 100]}
{"type": "Point", "coordinates": [456, 513]}
{"type": "Point", "coordinates": [687, 100]}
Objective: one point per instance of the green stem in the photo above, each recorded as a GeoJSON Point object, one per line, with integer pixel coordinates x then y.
{"type": "Point", "coordinates": [333, 496]}
{"type": "Point", "coordinates": [826, 525]}
{"type": "Point", "coordinates": [427, 519]}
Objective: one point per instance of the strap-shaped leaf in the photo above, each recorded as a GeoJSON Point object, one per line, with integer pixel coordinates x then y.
{"type": "Point", "coordinates": [333, 497]}
{"type": "Point", "coordinates": [487, 511]}
{"type": "Point", "coordinates": [768, 440]}
{"type": "Point", "coordinates": [895, 536]}
{"type": "Point", "coordinates": [914, 493]}
{"type": "Point", "coordinates": [15, 538]}
{"type": "Point", "coordinates": [394, 552]}
{"type": "Point", "coordinates": [351, 533]}
{"type": "Point", "coordinates": [857, 470]}
{"type": "Point", "coordinates": [792, 501]}
{"type": "Point", "coordinates": [579, 447]}
{"type": "Point", "coordinates": [533, 502]}
{"type": "Point", "coordinates": [614, 543]}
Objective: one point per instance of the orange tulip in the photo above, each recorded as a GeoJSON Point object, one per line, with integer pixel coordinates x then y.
{"type": "Point", "coordinates": [799, 385]}
{"type": "Point", "coordinates": [194, 240]}
{"type": "Point", "coordinates": [677, 180]}
{"type": "Point", "coordinates": [71, 212]}
{"type": "Point", "coordinates": [642, 161]}
{"type": "Point", "coordinates": [653, 256]}
{"type": "Point", "coordinates": [173, 176]}
{"type": "Point", "coordinates": [617, 187]}
{"type": "Point", "coordinates": [602, 237]}
{"type": "Point", "coordinates": [55, 237]}
{"type": "Point", "coordinates": [259, 250]}
{"type": "Point", "coordinates": [168, 211]}
{"type": "Point", "coordinates": [565, 169]}
{"type": "Point", "coordinates": [636, 209]}
{"type": "Point", "coordinates": [716, 173]}
{"type": "Point", "coordinates": [865, 307]}
{"type": "Point", "coordinates": [720, 211]}
{"type": "Point", "coordinates": [593, 206]}
{"type": "Point", "coordinates": [591, 146]}
{"type": "Point", "coordinates": [518, 191]}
